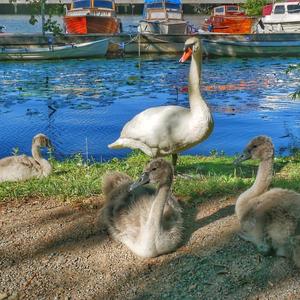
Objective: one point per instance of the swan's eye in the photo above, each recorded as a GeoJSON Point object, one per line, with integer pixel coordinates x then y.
{"type": "Point", "coordinates": [154, 169]}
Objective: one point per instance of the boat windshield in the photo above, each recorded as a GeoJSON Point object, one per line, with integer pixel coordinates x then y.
{"type": "Point", "coordinates": [81, 3]}
{"type": "Point", "coordinates": [104, 4]}
{"type": "Point", "coordinates": [293, 9]}
{"type": "Point", "coordinates": [279, 9]}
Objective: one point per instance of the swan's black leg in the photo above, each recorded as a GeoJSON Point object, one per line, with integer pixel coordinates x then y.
{"type": "Point", "coordinates": [174, 159]}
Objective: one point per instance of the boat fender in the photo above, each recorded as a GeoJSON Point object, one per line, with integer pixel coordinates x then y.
{"type": "Point", "coordinates": [261, 24]}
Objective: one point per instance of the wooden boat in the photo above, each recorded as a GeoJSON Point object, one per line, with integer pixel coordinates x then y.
{"type": "Point", "coordinates": [92, 16]}
{"type": "Point", "coordinates": [255, 45]}
{"type": "Point", "coordinates": [89, 49]}
{"type": "Point", "coordinates": [284, 17]}
{"type": "Point", "coordinates": [163, 17]}
{"type": "Point", "coordinates": [229, 19]}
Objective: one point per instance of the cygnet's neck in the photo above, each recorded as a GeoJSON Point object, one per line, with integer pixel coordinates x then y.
{"type": "Point", "coordinates": [157, 209]}
{"type": "Point", "coordinates": [45, 165]}
{"type": "Point", "coordinates": [260, 186]}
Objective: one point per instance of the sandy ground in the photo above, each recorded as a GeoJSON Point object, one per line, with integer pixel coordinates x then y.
{"type": "Point", "coordinates": [54, 250]}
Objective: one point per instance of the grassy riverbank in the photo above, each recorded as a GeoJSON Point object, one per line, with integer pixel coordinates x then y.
{"type": "Point", "coordinates": [217, 176]}
{"type": "Point", "coordinates": [44, 240]}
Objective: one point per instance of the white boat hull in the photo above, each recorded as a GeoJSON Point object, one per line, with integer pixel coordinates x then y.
{"type": "Point", "coordinates": [90, 49]}
{"type": "Point", "coordinates": [162, 27]}
{"type": "Point", "coordinates": [288, 27]}
{"type": "Point", "coordinates": [252, 45]}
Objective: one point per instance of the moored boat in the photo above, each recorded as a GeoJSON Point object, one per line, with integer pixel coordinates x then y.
{"type": "Point", "coordinates": [251, 45]}
{"type": "Point", "coordinates": [83, 50]}
{"type": "Point", "coordinates": [92, 16]}
{"type": "Point", "coordinates": [163, 17]}
{"type": "Point", "coordinates": [282, 17]}
{"type": "Point", "coordinates": [229, 19]}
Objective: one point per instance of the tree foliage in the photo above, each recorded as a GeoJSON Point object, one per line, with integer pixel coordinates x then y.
{"type": "Point", "coordinates": [50, 25]}
{"type": "Point", "coordinates": [254, 7]}
{"type": "Point", "coordinates": [294, 69]}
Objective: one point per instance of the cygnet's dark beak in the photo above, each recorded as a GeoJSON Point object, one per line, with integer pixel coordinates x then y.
{"type": "Point", "coordinates": [49, 144]}
{"type": "Point", "coordinates": [244, 156]}
{"type": "Point", "coordinates": [144, 179]}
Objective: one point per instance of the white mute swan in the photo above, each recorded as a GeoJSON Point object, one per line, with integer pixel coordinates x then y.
{"type": "Point", "coordinates": [165, 130]}
{"type": "Point", "coordinates": [146, 220]}
{"type": "Point", "coordinates": [269, 218]}
{"type": "Point", "coordinates": [22, 167]}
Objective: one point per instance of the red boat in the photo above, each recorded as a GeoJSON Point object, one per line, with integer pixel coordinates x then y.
{"type": "Point", "coordinates": [92, 16]}
{"type": "Point", "coordinates": [229, 19]}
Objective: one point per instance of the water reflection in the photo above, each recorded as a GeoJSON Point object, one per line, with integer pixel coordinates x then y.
{"type": "Point", "coordinates": [83, 104]}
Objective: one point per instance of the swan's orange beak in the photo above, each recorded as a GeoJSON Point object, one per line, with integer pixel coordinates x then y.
{"type": "Point", "coordinates": [186, 55]}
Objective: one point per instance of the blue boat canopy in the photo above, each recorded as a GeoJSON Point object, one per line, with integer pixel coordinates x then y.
{"type": "Point", "coordinates": [172, 4]}
{"type": "Point", "coordinates": [160, 1]}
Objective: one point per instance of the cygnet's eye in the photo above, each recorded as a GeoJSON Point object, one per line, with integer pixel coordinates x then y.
{"type": "Point", "coordinates": [154, 169]}
{"type": "Point", "coordinates": [254, 146]}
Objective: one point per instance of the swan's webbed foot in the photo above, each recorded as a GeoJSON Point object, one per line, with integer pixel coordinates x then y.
{"type": "Point", "coordinates": [265, 249]}
{"type": "Point", "coordinates": [244, 236]}
{"type": "Point", "coordinates": [174, 160]}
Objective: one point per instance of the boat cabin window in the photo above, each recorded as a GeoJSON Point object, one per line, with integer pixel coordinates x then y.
{"type": "Point", "coordinates": [219, 10]}
{"type": "Point", "coordinates": [293, 8]}
{"type": "Point", "coordinates": [232, 8]}
{"type": "Point", "coordinates": [81, 3]}
{"type": "Point", "coordinates": [279, 9]}
{"type": "Point", "coordinates": [104, 4]}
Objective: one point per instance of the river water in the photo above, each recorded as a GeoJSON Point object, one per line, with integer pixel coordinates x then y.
{"type": "Point", "coordinates": [82, 105]}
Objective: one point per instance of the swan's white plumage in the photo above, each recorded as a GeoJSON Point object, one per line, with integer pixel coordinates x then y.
{"type": "Point", "coordinates": [165, 130]}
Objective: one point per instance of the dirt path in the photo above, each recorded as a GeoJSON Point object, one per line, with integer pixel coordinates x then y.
{"type": "Point", "coordinates": [51, 250]}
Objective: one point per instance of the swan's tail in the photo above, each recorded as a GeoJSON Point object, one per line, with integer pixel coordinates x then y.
{"type": "Point", "coordinates": [132, 144]}
{"type": "Point", "coordinates": [118, 144]}
{"type": "Point", "coordinates": [112, 180]}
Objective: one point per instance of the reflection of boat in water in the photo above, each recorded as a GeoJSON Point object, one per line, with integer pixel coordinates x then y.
{"type": "Point", "coordinates": [280, 17]}
{"type": "Point", "coordinates": [92, 16]}
{"type": "Point", "coordinates": [229, 19]}
{"type": "Point", "coordinates": [244, 45]}
{"type": "Point", "coordinates": [163, 17]}
{"type": "Point", "coordinates": [90, 49]}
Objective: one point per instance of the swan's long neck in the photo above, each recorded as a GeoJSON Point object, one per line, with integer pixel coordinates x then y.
{"type": "Point", "coordinates": [260, 186]}
{"type": "Point", "coordinates": [197, 103]}
{"type": "Point", "coordinates": [157, 209]}
{"type": "Point", "coordinates": [46, 168]}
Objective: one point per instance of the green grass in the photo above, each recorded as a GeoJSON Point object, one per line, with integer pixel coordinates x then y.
{"type": "Point", "coordinates": [74, 180]}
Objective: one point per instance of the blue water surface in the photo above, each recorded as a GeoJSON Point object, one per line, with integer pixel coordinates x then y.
{"type": "Point", "coordinates": [82, 105]}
